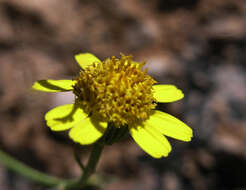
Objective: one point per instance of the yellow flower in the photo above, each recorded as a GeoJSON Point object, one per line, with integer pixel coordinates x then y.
{"type": "Point", "coordinates": [116, 92]}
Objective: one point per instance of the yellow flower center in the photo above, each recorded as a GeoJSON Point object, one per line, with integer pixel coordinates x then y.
{"type": "Point", "coordinates": [117, 90]}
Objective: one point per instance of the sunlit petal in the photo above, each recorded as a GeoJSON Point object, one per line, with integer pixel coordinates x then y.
{"type": "Point", "coordinates": [88, 131]}
{"type": "Point", "coordinates": [150, 140]}
{"type": "Point", "coordinates": [64, 117]}
{"type": "Point", "coordinates": [86, 59]}
{"type": "Point", "coordinates": [54, 85]}
{"type": "Point", "coordinates": [169, 126]}
{"type": "Point", "coordinates": [167, 93]}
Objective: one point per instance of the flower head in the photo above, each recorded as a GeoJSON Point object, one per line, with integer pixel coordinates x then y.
{"type": "Point", "coordinates": [118, 93]}
{"type": "Point", "coordinates": [116, 90]}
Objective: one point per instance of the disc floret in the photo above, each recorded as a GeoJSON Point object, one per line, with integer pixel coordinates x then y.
{"type": "Point", "coordinates": [117, 90]}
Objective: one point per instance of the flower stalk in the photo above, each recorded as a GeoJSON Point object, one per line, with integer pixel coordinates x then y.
{"type": "Point", "coordinates": [50, 181]}
{"type": "Point", "coordinates": [89, 168]}
{"type": "Point", "coordinates": [28, 172]}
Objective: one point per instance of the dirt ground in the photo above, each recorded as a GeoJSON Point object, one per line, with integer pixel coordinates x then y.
{"type": "Point", "coordinates": [198, 45]}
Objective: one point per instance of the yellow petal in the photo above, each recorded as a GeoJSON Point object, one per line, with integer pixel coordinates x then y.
{"type": "Point", "coordinates": [169, 126]}
{"type": "Point", "coordinates": [150, 140]}
{"type": "Point", "coordinates": [64, 117]}
{"type": "Point", "coordinates": [88, 131]}
{"type": "Point", "coordinates": [54, 85]}
{"type": "Point", "coordinates": [86, 59]}
{"type": "Point", "coordinates": [167, 93]}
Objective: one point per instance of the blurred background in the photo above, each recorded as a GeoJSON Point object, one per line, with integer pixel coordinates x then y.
{"type": "Point", "coordinates": [198, 45]}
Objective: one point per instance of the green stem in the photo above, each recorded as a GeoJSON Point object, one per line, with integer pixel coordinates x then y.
{"type": "Point", "coordinates": [26, 171]}
{"type": "Point", "coordinates": [77, 158]}
{"type": "Point", "coordinates": [92, 163]}
{"type": "Point", "coordinates": [47, 180]}
{"type": "Point", "coordinates": [89, 169]}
